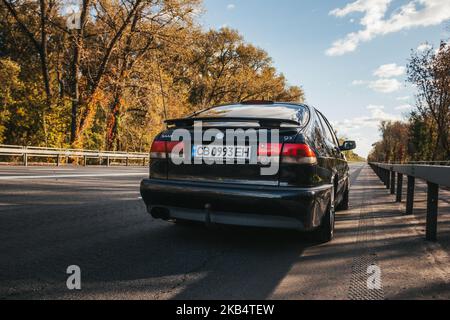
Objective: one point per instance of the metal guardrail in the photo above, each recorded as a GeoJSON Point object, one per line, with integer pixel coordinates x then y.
{"type": "Point", "coordinates": [430, 163]}
{"type": "Point", "coordinates": [436, 176]}
{"type": "Point", "coordinates": [60, 154]}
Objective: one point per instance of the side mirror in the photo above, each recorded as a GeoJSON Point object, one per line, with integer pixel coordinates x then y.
{"type": "Point", "coordinates": [348, 145]}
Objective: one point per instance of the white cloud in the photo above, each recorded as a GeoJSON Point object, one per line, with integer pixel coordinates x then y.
{"type": "Point", "coordinates": [364, 129]}
{"type": "Point", "coordinates": [380, 85]}
{"type": "Point", "coordinates": [424, 47]}
{"type": "Point", "coordinates": [385, 85]}
{"type": "Point", "coordinates": [405, 107]}
{"type": "Point", "coordinates": [403, 98]}
{"type": "Point", "coordinates": [389, 71]}
{"type": "Point", "coordinates": [358, 82]}
{"type": "Point", "coordinates": [415, 13]}
{"type": "Point", "coordinates": [374, 107]}
{"type": "Point", "coordinates": [377, 115]}
{"type": "Point", "coordinates": [231, 6]}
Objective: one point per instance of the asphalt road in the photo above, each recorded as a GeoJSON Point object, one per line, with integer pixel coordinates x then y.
{"type": "Point", "coordinates": [94, 218]}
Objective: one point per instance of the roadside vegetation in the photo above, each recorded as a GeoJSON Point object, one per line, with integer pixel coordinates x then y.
{"type": "Point", "coordinates": [111, 83]}
{"type": "Point", "coordinates": [425, 136]}
{"type": "Point", "coordinates": [351, 156]}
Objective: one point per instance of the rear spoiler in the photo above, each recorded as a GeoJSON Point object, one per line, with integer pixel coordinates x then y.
{"type": "Point", "coordinates": [264, 123]}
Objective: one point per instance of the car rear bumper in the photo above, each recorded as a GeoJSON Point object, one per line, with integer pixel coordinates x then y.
{"type": "Point", "coordinates": [236, 204]}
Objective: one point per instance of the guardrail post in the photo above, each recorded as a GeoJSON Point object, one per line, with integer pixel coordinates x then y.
{"type": "Point", "coordinates": [107, 162]}
{"type": "Point", "coordinates": [25, 159]}
{"type": "Point", "coordinates": [58, 160]}
{"type": "Point", "coordinates": [126, 161]}
{"type": "Point", "coordinates": [392, 182]}
{"type": "Point", "coordinates": [85, 161]}
{"type": "Point", "coordinates": [410, 195]}
{"type": "Point", "coordinates": [143, 162]}
{"type": "Point", "coordinates": [399, 187]}
{"type": "Point", "coordinates": [432, 211]}
{"type": "Point", "coordinates": [387, 178]}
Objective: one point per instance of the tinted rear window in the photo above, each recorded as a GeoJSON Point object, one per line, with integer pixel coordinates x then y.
{"type": "Point", "coordinates": [274, 111]}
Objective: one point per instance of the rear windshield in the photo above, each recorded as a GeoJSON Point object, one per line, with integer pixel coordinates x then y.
{"type": "Point", "coordinates": [297, 113]}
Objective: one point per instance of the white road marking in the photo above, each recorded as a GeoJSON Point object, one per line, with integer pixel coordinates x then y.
{"type": "Point", "coordinates": [60, 176]}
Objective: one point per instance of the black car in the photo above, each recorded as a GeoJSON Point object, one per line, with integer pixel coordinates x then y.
{"type": "Point", "coordinates": [222, 178]}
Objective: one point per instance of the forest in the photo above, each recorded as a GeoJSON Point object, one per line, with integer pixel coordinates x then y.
{"type": "Point", "coordinates": [106, 75]}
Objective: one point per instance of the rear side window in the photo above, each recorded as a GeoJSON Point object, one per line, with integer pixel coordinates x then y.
{"type": "Point", "coordinates": [327, 130]}
{"type": "Point", "coordinates": [298, 113]}
{"type": "Point", "coordinates": [333, 133]}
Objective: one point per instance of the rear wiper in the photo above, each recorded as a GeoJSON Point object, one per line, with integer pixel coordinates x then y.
{"type": "Point", "coordinates": [263, 123]}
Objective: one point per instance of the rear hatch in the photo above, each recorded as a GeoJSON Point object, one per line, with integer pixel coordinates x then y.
{"type": "Point", "coordinates": [233, 144]}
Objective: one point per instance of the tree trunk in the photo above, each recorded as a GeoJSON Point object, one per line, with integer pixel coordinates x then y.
{"type": "Point", "coordinates": [113, 123]}
{"type": "Point", "coordinates": [75, 88]}
{"type": "Point", "coordinates": [90, 102]}
{"type": "Point", "coordinates": [75, 69]}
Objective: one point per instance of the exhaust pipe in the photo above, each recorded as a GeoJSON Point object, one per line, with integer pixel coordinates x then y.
{"type": "Point", "coordinates": [160, 213]}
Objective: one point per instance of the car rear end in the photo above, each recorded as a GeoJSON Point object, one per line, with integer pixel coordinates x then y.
{"type": "Point", "coordinates": [248, 164]}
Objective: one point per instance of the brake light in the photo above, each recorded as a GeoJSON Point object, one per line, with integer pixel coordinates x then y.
{"type": "Point", "coordinates": [296, 153]}
{"type": "Point", "coordinates": [158, 150]}
{"type": "Point", "coordinates": [170, 145]}
{"type": "Point", "coordinates": [269, 149]}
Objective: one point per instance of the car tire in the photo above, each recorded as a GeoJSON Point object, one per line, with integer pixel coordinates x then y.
{"type": "Point", "coordinates": [325, 233]}
{"type": "Point", "coordinates": [344, 205]}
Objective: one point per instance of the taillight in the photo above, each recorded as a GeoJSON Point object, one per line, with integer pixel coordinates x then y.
{"type": "Point", "coordinates": [269, 149]}
{"type": "Point", "coordinates": [158, 150]}
{"type": "Point", "coordinates": [269, 153]}
{"type": "Point", "coordinates": [291, 153]}
{"type": "Point", "coordinates": [175, 153]}
{"type": "Point", "coordinates": [298, 153]}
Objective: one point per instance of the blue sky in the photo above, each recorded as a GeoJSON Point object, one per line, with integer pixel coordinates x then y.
{"type": "Point", "coordinates": [348, 55]}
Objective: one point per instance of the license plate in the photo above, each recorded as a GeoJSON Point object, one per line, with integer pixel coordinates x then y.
{"type": "Point", "coordinates": [222, 152]}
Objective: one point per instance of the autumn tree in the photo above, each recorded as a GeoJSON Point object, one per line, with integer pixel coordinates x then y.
{"type": "Point", "coordinates": [429, 71]}
{"type": "Point", "coordinates": [394, 144]}
{"type": "Point", "coordinates": [426, 135]}
{"type": "Point", "coordinates": [128, 65]}
{"type": "Point", "coordinates": [225, 69]}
